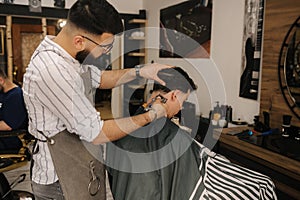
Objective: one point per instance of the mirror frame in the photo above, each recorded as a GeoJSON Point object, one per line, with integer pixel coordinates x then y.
{"type": "Point", "coordinates": [291, 102]}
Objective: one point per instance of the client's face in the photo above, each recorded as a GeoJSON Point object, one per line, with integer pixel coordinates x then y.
{"type": "Point", "coordinates": [175, 99]}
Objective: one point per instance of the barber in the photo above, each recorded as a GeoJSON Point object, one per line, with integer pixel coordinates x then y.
{"type": "Point", "coordinates": [54, 90]}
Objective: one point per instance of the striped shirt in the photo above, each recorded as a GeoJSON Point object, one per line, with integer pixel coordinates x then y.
{"type": "Point", "coordinates": [55, 101]}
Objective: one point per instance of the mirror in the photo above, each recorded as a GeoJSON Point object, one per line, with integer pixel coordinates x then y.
{"type": "Point", "coordinates": [289, 68]}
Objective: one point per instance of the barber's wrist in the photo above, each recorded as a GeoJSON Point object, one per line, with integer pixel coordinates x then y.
{"type": "Point", "coordinates": [159, 109]}
{"type": "Point", "coordinates": [137, 69]}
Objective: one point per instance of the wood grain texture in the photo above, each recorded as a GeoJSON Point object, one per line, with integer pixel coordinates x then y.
{"type": "Point", "coordinates": [276, 162]}
{"type": "Point", "coordinates": [279, 16]}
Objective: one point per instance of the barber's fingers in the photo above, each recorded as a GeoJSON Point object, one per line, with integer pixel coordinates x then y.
{"type": "Point", "coordinates": [150, 71]}
{"type": "Point", "coordinates": [161, 109]}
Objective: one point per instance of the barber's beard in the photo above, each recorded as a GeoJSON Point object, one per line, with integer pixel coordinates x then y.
{"type": "Point", "coordinates": [87, 58]}
{"type": "Point", "coordinates": [82, 55]}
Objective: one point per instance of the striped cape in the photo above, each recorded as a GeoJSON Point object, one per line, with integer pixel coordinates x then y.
{"type": "Point", "coordinates": [221, 179]}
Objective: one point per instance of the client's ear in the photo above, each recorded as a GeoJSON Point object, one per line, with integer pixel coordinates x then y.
{"type": "Point", "coordinates": [174, 95]}
{"type": "Point", "coordinates": [181, 96]}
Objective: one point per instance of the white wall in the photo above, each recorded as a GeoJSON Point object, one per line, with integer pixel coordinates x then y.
{"type": "Point", "coordinates": [221, 73]}
{"type": "Point", "coordinates": [128, 6]}
{"type": "Point", "coordinates": [218, 78]}
{"type": "Point", "coordinates": [45, 3]}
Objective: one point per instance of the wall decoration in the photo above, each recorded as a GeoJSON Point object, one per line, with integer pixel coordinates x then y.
{"type": "Point", "coordinates": [59, 3]}
{"type": "Point", "coordinates": [35, 6]}
{"type": "Point", "coordinates": [251, 56]}
{"type": "Point", "coordinates": [7, 1]}
{"type": "Point", "coordinates": [289, 68]}
{"type": "Point", "coordinates": [186, 29]}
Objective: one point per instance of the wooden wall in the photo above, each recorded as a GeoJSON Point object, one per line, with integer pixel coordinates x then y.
{"type": "Point", "coordinates": [279, 16]}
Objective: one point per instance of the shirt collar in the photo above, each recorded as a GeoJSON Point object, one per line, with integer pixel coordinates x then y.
{"type": "Point", "coordinates": [61, 51]}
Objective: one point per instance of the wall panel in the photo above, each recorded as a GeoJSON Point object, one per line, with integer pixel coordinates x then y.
{"type": "Point", "coordinates": [279, 16]}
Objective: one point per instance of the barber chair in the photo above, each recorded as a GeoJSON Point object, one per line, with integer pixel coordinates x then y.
{"type": "Point", "coordinates": [12, 157]}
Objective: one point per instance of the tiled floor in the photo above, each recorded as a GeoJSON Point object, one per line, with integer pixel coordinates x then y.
{"type": "Point", "coordinates": [15, 173]}
{"type": "Point", "coordinates": [26, 186]}
{"type": "Point", "coordinates": [104, 108]}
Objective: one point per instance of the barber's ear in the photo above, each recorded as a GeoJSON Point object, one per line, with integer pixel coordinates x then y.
{"type": "Point", "coordinates": [78, 42]}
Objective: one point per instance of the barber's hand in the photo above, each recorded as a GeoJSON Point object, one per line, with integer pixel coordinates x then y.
{"type": "Point", "coordinates": [149, 71]}
{"type": "Point", "coordinates": [160, 109]}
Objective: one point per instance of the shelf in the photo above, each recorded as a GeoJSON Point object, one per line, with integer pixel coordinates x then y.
{"type": "Point", "coordinates": [135, 87]}
{"type": "Point", "coordinates": [133, 92]}
{"type": "Point", "coordinates": [136, 102]}
{"type": "Point", "coordinates": [136, 38]}
{"type": "Point", "coordinates": [137, 21]}
{"type": "Point", "coordinates": [137, 54]}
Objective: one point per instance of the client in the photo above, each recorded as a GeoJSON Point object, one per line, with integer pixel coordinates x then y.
{"type": "Point", "coordinates": [162, 161]}
{"type": "Point", "coordinates": [13, 114]}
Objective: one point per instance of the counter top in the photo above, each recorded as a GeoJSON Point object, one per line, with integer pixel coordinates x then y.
{"type": "Point", "coordinates": [276, 161]}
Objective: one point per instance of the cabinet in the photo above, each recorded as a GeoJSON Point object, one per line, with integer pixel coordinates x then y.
{"type": "Point", "coordinates": [284, 171]}
{"type": "Point", "coordinates": [134, 54]}
{"type": "Point", "coordinates": [137, 35]}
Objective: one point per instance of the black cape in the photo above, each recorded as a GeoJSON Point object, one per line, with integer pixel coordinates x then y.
{"type": "Point", "coordinates": [163, 162]}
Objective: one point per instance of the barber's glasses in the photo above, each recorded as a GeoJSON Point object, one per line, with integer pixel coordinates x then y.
{"type": "Point", "coordinates": [106, 47]}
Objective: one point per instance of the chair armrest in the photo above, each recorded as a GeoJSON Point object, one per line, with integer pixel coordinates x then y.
{"type": "Point", "coordinates": [13, 133]}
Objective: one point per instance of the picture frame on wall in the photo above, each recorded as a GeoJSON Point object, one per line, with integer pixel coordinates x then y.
{"type": "Point", "coordinates": [185, 30]}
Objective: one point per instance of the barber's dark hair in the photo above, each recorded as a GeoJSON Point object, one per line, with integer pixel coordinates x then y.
{"type": "Point", "coordinates": [3, 74]}
{"type": "Point", "coordinates": [96, 17]}
{"type": "Point", "coordinates": [176, 79]}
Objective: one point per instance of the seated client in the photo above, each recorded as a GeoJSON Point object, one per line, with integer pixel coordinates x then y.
{"type": "Point", "coordinates": [13, 114]}
{"type": "Point", "coordinates": [162, 161]}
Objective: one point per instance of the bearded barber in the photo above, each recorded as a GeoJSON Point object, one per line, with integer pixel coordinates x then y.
{"type": "Point", "coordinates": [54, 91]}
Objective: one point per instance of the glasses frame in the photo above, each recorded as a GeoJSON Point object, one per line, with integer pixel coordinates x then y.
{"type": "Point", "coordinates": [106, 47]}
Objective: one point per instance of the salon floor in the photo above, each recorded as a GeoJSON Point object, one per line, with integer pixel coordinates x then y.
{"type": "Point", "coordinates": [105, 110]}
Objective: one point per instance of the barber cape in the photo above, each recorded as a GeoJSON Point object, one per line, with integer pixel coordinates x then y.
{"type": "Point", "coordinates": [163, 162]}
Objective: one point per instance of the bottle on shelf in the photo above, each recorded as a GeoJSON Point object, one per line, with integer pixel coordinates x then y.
{"type": "Point", "coordinates": [229, 114]}
{"type": "Point", "coordinates": [286, 125]}
{"type": "Point", "coordinates": [215, 114]}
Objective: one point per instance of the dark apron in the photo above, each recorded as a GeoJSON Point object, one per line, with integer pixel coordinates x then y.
{"type": "Point", "coordinates": [81, 175]}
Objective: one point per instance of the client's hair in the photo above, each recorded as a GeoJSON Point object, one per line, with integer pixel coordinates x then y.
{"type": "Point", "coordinates": [176, 79]}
